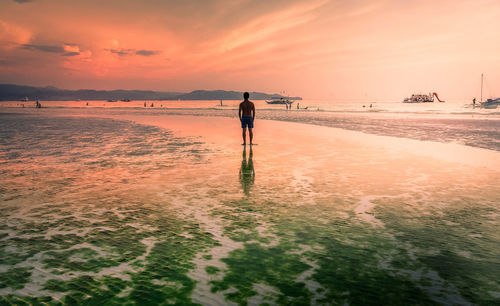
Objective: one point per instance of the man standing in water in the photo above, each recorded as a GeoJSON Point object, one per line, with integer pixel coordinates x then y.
{"type": "Point", "coordinates": [247, 115]}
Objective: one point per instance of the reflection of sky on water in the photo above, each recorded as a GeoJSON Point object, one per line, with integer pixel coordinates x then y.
{"type": "Point", "coordinates": [106, 211]}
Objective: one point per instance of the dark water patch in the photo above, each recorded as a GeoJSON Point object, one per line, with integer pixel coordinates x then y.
{"type": "Point", "coordinates": [472, 277]}
{"type": "Point", "coordinates": [83, 259]}
{"type": "Point", "coordinates": [11, 299]}
{"type": "Point", "coordinates": [89, 290]}
{"type": "Point", "coordinates": [351, 273]}
{"type": "Point", "coordinates": [212, 270]}
{"type": "Point", "coordinates": [274, 266]}
{"type": "Point", "coordinates": [458, 242]}
{"type": "Point", "coordinates": [15, 278]}
{"type": "Point", "coordinates": [16, 250]}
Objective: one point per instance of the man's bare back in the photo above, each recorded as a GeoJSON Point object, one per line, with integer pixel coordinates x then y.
{"type": "Point", "coordinates": [247, 108]}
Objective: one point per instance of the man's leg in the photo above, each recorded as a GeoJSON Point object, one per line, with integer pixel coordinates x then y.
{"type": "Point", "coordinates": [250, 132]}
{"type": "Point", "coordinates": [245, 136]}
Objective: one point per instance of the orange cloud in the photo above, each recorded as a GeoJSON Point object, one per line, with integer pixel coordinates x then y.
{"type": "Point", "coordinates": [11, 36]}
{"type": "Point", "coordinates": [310, 48]}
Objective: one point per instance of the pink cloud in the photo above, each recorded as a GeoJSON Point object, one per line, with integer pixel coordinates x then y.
{"type": "Point", "coordinates": [11, 35]}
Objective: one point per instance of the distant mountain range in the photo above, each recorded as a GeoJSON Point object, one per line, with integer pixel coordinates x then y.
{"type": "Point", "coordinates": [10, 92]}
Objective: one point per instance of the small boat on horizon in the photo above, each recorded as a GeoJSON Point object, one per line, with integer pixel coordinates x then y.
{"type": "Point", "coordinates": [125, 100]}
{"type": "Point", "coordinates": [490, 103]}
{"type": "Point", "coordinates": [111, 100]}
{"type": "Point", "coordinates": [280, 100]}
{"type": "Point", "coordinates": [422, 98]}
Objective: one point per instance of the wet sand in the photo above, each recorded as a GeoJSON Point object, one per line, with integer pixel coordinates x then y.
{"type": "Point", "coordinates": [320, 215]}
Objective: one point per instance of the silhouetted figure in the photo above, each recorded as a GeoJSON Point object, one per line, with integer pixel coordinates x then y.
{"type": "Point", "coordinates": [37, 104]}
{"type": "Point", "coordinates": [474, 102]}
{"type": "Point", "coordinates": [298, 107]}
{"type": "Point", "coordinates": [152, 105]}
{"type": "Point", "coordinates": [144, 104]}
{"type": "Point", "coordinates": [87, 104]}
{"type": "Point", "coordinates": [247, 172]}
{"type": "Point", "coordinates": [246, 113]}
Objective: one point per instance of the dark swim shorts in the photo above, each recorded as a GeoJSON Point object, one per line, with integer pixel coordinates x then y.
{"type": "Point", "coordinates": [246, 120]}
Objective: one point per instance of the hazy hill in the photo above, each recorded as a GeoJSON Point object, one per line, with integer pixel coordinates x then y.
{"type": "Point", "coordinates": [226, 95]}
{"type": "Point", "coordinates": [10, 92]}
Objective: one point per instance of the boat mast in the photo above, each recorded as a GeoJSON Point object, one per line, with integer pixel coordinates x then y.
{"type": "Point", "coordinates": [481, 88]}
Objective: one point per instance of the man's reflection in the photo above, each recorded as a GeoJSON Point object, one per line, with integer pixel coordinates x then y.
{"type": "Point", "coordinates": [247, 172]}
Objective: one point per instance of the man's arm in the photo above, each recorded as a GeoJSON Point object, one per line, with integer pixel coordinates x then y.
{"type": "Point", "coordinates": [253, 111]}
{"type": "Point", "coordinates": [240, 111]}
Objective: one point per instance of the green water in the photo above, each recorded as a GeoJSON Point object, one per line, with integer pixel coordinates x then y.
{"type": "Point", "coordinates": [92, 215]}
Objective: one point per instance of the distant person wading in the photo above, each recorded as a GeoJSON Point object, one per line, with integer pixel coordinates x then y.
{"type": "Point", "coordinates": [247, 116]}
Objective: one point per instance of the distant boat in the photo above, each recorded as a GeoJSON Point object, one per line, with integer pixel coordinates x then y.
{"type": "Point", "coordinates": [490, 103]}
{"type": "Point", "coordinates": [280, 100]}
{"type": "Point", "coordinates": [111, 100]}
{"type": "Point", "coordinates": [125, 100]}
{"type": "Point", "coordinates": [25, 99]}
{"type": "Point", "coordinates": [422, 98]}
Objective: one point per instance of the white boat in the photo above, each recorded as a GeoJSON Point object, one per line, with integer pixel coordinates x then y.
{"type": "Point", "coordinates": [490, 103]}
{"type": "Point", "coordinates": [280, 100]}
{"type": "Point", "coordinates": [422, 98]}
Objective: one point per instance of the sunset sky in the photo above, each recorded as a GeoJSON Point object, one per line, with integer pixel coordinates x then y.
{"type": "Point", "coordinates": [328, 49]}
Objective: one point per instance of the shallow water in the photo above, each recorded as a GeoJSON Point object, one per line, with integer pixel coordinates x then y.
{"type": "Point", "coordinates": [326, 105]}
{"type": "Point", "coordinates": [101, 210]}
{"type": "Point", "coordinates": [479, 130]}
{"type": "Point", "coordinates": [440, 122]}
